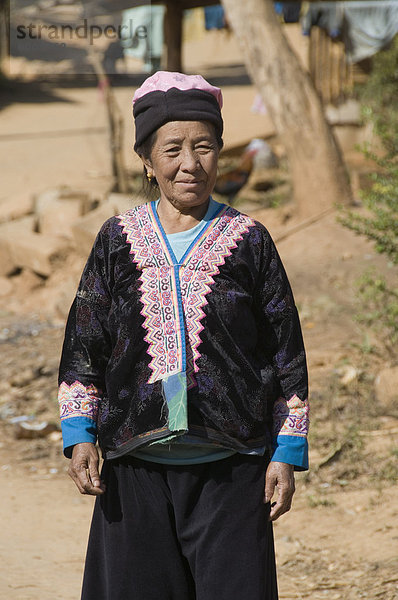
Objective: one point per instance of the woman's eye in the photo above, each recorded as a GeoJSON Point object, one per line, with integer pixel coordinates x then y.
{"type": "Point", "coordinates": [173, 150]}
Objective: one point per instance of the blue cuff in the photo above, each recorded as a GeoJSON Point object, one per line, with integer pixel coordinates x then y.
{"type": "Point", "coordinates": [291, 449]}
{"type": "Point", "coordinates": [77, 430]}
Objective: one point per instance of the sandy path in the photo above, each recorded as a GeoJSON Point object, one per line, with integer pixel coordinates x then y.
{"type": "Point", "coordinates": [47, 525]}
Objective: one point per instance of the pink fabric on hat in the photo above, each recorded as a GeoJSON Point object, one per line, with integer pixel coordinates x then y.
{"type": "Point", "coordinates": [161, 81]}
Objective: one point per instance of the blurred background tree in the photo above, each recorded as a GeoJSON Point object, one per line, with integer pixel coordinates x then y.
{"type": "Point", "coordinates": [316, 163]}
{"type": "Point", "coordinates": [379, 97]}
{"type": "Point", "coordinates": [378, 221]}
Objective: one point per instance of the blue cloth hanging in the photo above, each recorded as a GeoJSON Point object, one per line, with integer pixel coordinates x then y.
{"type": "Point", "coordinates": [214, 17]}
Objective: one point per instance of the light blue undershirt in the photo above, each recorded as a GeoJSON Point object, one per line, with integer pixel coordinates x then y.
{"type": "Point", "coordinates": [188, 449]}
{"type": "Point", "coordinates": [185, 449]}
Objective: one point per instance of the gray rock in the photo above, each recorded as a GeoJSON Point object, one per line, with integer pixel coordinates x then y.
{"type": "Point", "coordinates": [386, 387]}
{"type": "Point", "coordinates": [29, 430]}
{"type": "Point", "coordinates": [21, 247]}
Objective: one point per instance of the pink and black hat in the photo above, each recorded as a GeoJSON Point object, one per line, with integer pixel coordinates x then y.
{"type": "Point", "coordinates": [167, 96]}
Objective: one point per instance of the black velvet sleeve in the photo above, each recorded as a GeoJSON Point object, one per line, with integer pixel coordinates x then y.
{"type": "Point", "coordinates": [278, 307]}
{"type": "Point", "coordinates": [86, 349]}
{"type": "Point", "coordinates": [281, 326]}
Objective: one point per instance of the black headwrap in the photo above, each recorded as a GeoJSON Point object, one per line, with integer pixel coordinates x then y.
{"type": "Point", "coordinates": [157, 108]}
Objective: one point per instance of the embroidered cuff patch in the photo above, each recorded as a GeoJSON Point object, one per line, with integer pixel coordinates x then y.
{"type": "Point", "coordinates": [291, 417]}
{"type": "Point", "coordinates": [77, 400]}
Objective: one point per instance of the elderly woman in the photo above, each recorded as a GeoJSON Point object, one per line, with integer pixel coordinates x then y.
{"type": "Point", "coordinates": [183, 354]}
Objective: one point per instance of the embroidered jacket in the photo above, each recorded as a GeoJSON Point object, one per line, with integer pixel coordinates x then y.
{"type": "Point", "coordinates": [209, 346]}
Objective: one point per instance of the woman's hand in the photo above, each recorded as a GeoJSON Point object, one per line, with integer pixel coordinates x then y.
{"type": "Point", "coordinates": [281, 476]}
{"type": "Point", "coordinates": [83, 469]}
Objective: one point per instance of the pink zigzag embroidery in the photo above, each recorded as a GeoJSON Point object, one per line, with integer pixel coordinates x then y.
{"type": "Point", "coordinates": [77, 400]}
{"type": "Point", "coordinates": [291, 417]}
{"type": "Point", "coordinates": [157, 289]}
{"type": "Point", "coordinates": [157, 293]}
{"type": "Point", "coordinates": [201, 269]}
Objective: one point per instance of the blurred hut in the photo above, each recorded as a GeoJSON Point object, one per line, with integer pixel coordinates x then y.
{"type": "Point", "coordinates": [343, 37]}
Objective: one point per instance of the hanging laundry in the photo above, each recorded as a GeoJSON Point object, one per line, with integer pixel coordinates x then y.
{"type": "Point", "coordinates": [368, 27]}
{"type": "Point", "coordinates": [328, 16]}
{"type": "Point", "coordinates": [214, 17]}
{"type": "Point", "coordinates": [290, 11]}
{"type": "Point", "coordinates": [148, 47]}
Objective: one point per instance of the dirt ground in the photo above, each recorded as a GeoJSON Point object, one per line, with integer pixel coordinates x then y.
{"type": "Point", "coordinates": [340, 540]}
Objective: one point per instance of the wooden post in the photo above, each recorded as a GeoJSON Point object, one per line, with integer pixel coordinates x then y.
{"type": "Point", "coordinates": [312, 55]}
{"type": "Point", "coordinates": [4, 37]}
{"type": "Point", "coordinates": [116, 124]}
{"type": "Point", "coordinates": [173, 35]}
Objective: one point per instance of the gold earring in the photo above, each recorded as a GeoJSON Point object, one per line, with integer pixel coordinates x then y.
{"type": "Point", "coordinates": [149, 177]}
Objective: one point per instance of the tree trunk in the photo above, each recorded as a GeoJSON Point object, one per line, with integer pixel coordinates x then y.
{"type": "Point", "coordinates": [317, 168]}
{"type": "Point", "coordinates": [173, 35]}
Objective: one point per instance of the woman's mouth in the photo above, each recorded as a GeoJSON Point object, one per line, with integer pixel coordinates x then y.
{"type": "Point", "coordinates": [191, 182]}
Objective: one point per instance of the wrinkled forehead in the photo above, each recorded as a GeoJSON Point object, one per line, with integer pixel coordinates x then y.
{"type": "Point", "coordinates": [181, 130]}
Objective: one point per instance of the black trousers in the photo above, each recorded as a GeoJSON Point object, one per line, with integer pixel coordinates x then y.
{"type": "Point", "coordinates": [196, 532]}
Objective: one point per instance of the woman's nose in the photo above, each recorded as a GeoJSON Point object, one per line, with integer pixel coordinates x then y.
{"type": "Point", "coordinates": [189, 160]}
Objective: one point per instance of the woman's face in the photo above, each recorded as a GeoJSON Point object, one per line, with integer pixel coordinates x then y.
{"type": "Point", "coordinates": [184, 161]}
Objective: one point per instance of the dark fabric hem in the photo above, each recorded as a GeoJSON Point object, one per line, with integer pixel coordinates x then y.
{"type": "Point", "coordinates": [202, 432]}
